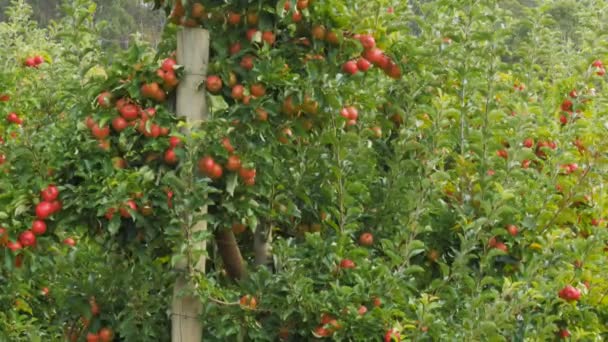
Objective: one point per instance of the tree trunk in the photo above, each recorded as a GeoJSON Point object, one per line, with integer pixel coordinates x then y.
{"type": "Point", "coordinates": [230, 253]}
{"type": "Point", "coordinates": [193, 54]}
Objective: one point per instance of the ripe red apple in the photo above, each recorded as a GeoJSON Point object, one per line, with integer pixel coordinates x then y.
{"type": "Point", "coordinates": [92, 337]}
{"type": "Point", "coordinates": [27, 238]}
{"type": "Point", "coordinates": [238, 92]}
{"type": "Point", "coordinates": [56, 206]}
{"type": "Point", "coordinates": [214, 84]}
{"type": "Point", "coordinates": [392, 335]}
{"type": "Point", "coordinates": [362, 310]}
{"type": "Point", "coordinates": [104, 99]}
{"type": "Point", "coordinates": [119, 124]}
{"type": "Point", "coordinates": [249, 302]}
{"type": "Point", "coordinates": [502, 247]}
{"type": "Point", "coordinates": [363, 64]}
{"type": "Point", "coordinates": [168, 64]}
{"type": "Point", "coordinates": [50, 193]}
{"type": "Point", "coordinates": [567, 105]}
{"type": "Point", "coordinates": [320, 332]}
{"type": "Point", "coordinates": [110, 213]}
{"type": "Point", "coordinates": [129, 111]}
{"type": "Point", "coordinates": [205, 164]}
{"type": "Point", "coordinates": [170, 80]}
{"type": "Point", "coordinates": [216, 172]}
{"type": "Point", "coordinates": [502, 154]}
{"type": "Point", "coordinates": [124, 210]}
{"type": "Point", "coordinates": [257, 90]}
{"type": "Point", "coordinates": [44, 210]}
{"type": "Point", "coordinates": [512, 229]}
{"type": "Point", "coordinates": [570, 293]}
{"type": "Point", "coordinates": [30, 62]}
{"type": "Point", "coordinates": [262, 115]}
{"type": "Point", "coordinates": [302, 4]}
{"type": "Point", "coordinates": [69, 242]}
{"type": "Point", "coordinates": [269, 37]}
{"type": "Point", "coordinates": [227, 145]}
{"type": "Point", "coordinates": [318, 32]}
{"type": "Point", "coordinates": [374, 55]}
{"type": "Point", "coordinates": [105, 335]}
{"type": "Point", "coordinates": [366, 239]}
{"type": "Point", "coordinates": [367, 41]}
{"type": "Point", "coordinates": [14, 118]}
{"type": "Point", "coordinates": [247, 62]}
{"type": "Point", "coordinates": [251, 33]}
{"type": "Point", "coordinates": [170, 157]}
{"type": "Point", "coordinates": [353, 114]}
{"type": "Point", "coordinates": [100, 132]}
{"type": "Point", "coordinates": [119, 163]}
{"type": "Point", "coordinates": [393, 70]}
{"type": "Point", "coordinates": [247, 173]}
{"type": "Point", "coordinates": [234, 18]}
{"type": "Point", "coordinates": [233, 164]}
{"type": "Point", "coordinates": [296, 16]}
{"type": "Point", "coordinates": [38, 227]}
{"type": "Point", "coordinates": [350, 67]}
{"type": "Point", "coordinates": [347, 264]}
{"type": "Point", "coordinates": [528, 142]}
{"type": "Point", "coordinates": [14, 246]}
{"type": "Point", "coordinates": [175, 141]}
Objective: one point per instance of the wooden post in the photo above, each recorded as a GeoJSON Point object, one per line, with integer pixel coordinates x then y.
{"type": "Point", "coordinates": [193, 54]}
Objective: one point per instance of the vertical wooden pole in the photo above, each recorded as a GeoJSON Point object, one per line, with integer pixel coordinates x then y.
{"type": "Point", "coordinates": [193, 54]}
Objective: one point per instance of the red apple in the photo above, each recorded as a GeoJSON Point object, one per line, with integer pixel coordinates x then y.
{"type": "Point", "coordinates": [512, 229]}
{"type": "Point", "coordinates": [350, 67]}
{"type": "Point", "coordinates": [347, 264]}
{"type": "Point", "coordinates": [119, 124]}
{"type": "Point", "coordinates": [233, 164]}
{"type": "Point", "coordinates": [168, 64]}
{"type": "Point", "coordinates": [170, 157]}
{"type": "Point", "coordinates": [50, 193]}
{"type": "Point", "coordinates": [27, 238]}
{"type": "Point", "coordinates": [104, 99]}
{"type": "Point", "coordinates": [367, 41]}
{"type": "Point", "coordinates": [366, 239]}
{"type": "Point", "coordinates": [38, 227]}
{"type": "Point", "coordinates": [363, 64]}
{"type": "Point", "coordinates": [129, 111]}
{"type": "Point", "coordinates": [44, 210]}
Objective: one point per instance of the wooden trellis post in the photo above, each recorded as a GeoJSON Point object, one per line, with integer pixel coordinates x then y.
{"type": "Point", "coordinates": [193, 54]}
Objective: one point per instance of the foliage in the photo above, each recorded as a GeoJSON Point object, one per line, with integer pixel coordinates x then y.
{"type": "Point", "coordinates": [475, 161]}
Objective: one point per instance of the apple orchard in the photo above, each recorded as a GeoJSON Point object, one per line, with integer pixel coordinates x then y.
{"type": "Point", "coordinates": [365, 171]}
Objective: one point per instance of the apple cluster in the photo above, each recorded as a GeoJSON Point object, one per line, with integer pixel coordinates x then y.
{"type": "Point", "coordinates": [33, 62]}
{"type": "Point", "coordinates": [214, 170]}
{"type": "Point", "coordinates": [371, 55]}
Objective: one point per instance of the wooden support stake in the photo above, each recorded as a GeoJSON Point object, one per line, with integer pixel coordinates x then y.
{"type": "Point", "coordinates": [193, 54]}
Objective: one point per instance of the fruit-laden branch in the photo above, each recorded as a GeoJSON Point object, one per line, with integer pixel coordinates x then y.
{"type": "Point", "coordinates": [230, 253]}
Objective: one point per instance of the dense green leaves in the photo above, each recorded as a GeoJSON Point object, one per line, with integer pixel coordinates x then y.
{"type": "Point", "coordinates": [479, 174]}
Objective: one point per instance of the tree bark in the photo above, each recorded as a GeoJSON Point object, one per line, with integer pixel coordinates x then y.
{"type": "Point", "coordinates": [230, 253]}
